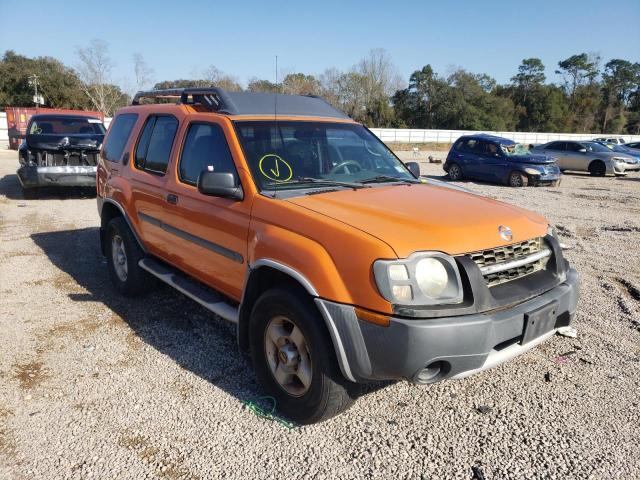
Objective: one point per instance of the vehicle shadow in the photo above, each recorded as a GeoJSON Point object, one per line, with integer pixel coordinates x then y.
{"type": "Point", "coordinates": [10, 188]}
{"type": "Point", "coordinates": [165, 319]}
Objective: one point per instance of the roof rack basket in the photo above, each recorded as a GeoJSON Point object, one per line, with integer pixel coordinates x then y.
{"type": "Point", "coordinates": [212, 98]}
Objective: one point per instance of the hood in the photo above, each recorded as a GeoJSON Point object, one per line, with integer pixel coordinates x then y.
{"type": "Point", "coordinates": [532, 159]}
{"type": "Point", "coordinates": [418, 217]}
{"type": "Point", "coordinates": [65, 142]}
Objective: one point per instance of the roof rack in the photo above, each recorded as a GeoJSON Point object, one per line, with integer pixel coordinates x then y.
{"type": "Point", "coordinates": [212, 98]}
{"type": "Point", "coordinates": [246, 103]}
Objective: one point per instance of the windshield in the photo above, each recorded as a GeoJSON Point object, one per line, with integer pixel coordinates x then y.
{"type": "Point", "coordinates": [66, 126]}
{"type": "Point", "coordinates": [515, 149]}
{"type": "Point", "coordinates": [288, 154]}
{"type": "Point", "coordinates": [595, 147]}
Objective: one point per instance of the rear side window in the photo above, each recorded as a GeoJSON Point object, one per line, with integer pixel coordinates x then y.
{"type": "Point", "coordinates": [574, 147]}
{"type": "Point", "coordinates": [469, 145]}
{"type": "Point", "coordinates": [205, 148]}
{"type": "Point", "coordinates": [118, 136]}
{"type": "Point", "coordinates": [556, 146]}
{"type": "Point", "coordinates": [154, 145]}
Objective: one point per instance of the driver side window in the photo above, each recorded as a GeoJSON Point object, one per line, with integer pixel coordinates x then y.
{"type": "Point", "coordinates": [205, 148]}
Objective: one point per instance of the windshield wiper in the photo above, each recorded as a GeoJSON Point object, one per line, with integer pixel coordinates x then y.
{"type": "Point", "coordinates": [317, 181]}
{"type": "Point", "coordinates": [388, 178]}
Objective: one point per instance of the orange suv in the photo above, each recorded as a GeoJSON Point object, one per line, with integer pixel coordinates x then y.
{"type": "Point", "coordinates": [337, 264]}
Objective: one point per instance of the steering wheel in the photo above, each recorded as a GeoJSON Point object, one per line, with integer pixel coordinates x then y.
{"type": "Point", "coordinates": [345, 166]}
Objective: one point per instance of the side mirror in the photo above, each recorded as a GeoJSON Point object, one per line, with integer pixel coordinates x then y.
{"type": "Point", "coordinates": [583, 150]}
{"type": "Point", "coordinates": [414, 168]}
{"type": "Point", "coordinates": [218, 184]}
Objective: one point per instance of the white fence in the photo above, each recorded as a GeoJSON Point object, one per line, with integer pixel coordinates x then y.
{"type": "Point", "coordinates": [408, 135]}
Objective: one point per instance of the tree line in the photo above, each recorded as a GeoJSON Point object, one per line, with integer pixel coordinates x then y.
{"type": "Point", "coordinates": [591, 96]}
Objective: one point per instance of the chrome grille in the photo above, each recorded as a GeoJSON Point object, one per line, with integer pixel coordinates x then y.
{"type": "Point", "coordinates": [516, 251]}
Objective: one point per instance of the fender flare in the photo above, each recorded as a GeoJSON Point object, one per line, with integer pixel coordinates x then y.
{"type": "Point", "coordinates": [101, 202]}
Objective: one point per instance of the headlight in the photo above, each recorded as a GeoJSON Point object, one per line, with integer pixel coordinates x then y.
{"type": "Point", "coordinates": [532, 171]}
{"type": "Point", "coordinates": [620, 159]}
{"type": "Point", "coordinates": [424, 278]}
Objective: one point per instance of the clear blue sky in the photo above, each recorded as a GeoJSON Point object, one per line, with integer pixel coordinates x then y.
{"type": "Point", "coordinates": [180, 38]}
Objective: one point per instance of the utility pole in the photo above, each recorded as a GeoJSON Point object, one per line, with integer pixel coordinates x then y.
{"type": "Point", "coordinates": [33, 81]}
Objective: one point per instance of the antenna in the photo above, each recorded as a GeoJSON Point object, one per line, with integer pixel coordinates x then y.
{"type": "Point", "coordinates": [275, 121]}
{"type": "Point", "coordinates": [275, 97]}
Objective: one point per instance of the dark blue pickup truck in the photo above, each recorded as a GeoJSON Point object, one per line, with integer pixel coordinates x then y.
{"type": "Point", "coordinates": [497, 159]}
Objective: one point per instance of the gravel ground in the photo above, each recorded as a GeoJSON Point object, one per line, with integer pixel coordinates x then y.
{"type": "Point", "coordinates": [93, 385]}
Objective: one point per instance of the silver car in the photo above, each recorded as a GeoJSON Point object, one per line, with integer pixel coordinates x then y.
{"type": "Point", "coordinates": [616, 140]}
{"type": "Point", "coordinates": [587, 156]}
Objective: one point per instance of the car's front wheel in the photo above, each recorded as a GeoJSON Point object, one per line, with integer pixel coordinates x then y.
{"type": "Point", "coordinates": [293, 357]}
{"type": "Point", "coordinates": [597, 168]}
{"type": "Point", "coordinates": [123, 254]}
{"type": "Point", "coordinates": [517, 179]}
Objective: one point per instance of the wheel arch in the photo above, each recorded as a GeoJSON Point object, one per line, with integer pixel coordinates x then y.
{"type": "Point", "coordinates": [110, 209]}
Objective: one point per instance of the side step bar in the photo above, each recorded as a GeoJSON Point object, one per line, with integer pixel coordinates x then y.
{"type": "Point", "coordinates": [191, 288]}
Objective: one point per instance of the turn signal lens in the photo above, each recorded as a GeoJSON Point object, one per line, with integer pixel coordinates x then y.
{"type": "Point", "coordinates": [372, 317]}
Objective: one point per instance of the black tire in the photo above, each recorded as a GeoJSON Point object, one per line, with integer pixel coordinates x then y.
{"type": "Point", "coordinates": [137, 281]}
{"type": "Point", "coordinates": [455, 172]}
{"type": "Point", "coordinates": [328, 392]}
{"type": "Point", "coordinates": [597, 168]}
{"type": "Point", "coordinates": [517, 179]}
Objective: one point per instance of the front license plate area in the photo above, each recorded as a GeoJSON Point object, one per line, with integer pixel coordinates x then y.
{"type": "Point", "coordinates": [539, 321]}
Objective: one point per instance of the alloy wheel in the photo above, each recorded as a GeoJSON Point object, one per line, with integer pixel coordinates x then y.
{"type": "Point", "coordinates": [288, 355]}
{"type": "Point", "coordinates": [119, 257]}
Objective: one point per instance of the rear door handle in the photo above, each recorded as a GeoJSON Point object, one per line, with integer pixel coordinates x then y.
{"type": "Point", "coordinates": [172, 199]}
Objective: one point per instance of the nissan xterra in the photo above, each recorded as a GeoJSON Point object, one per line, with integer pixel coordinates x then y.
{"type": "Point", "coordinates": [336, 263]}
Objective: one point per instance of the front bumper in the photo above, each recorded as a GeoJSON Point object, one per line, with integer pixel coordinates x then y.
{"type": "Point", "coordinates": [448, 347]}
{"type": "Point", "coordinates": [618, 168]}
{"type": "Point", "coordinates": [545, 179]}
{"type": "Point", "coordinates": [64, 176]}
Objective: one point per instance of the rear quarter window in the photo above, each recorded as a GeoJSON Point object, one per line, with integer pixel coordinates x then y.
{"type": "Point", "coordinates": [155, 143]}
{"type": "Point", "coordinates": [118, 136]}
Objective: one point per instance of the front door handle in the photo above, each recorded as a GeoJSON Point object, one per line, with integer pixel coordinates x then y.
{"type": "Point", "coordinates": [172, 199]}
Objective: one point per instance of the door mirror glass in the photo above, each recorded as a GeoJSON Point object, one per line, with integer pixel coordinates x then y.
{"type": "Point", "coordinates": [220, 184]}
{"type": "Point", "coordinates": [414, 168]}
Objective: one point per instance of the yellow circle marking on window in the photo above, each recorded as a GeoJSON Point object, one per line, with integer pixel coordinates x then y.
{"type": "Point", "coordinates": [275, 168]}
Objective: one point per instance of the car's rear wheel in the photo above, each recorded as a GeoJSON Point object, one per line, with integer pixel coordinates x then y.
{"type": "Point", "coordinates": [597, 168]}
{"type": "Point", "coordinates": [123, 254]}
{"type": "Point", "coordinates": [293, 357]}
{"type": "Point", "coordinates": [455, 172]}
{"type": "Point", "coordinates": [517, 179]}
